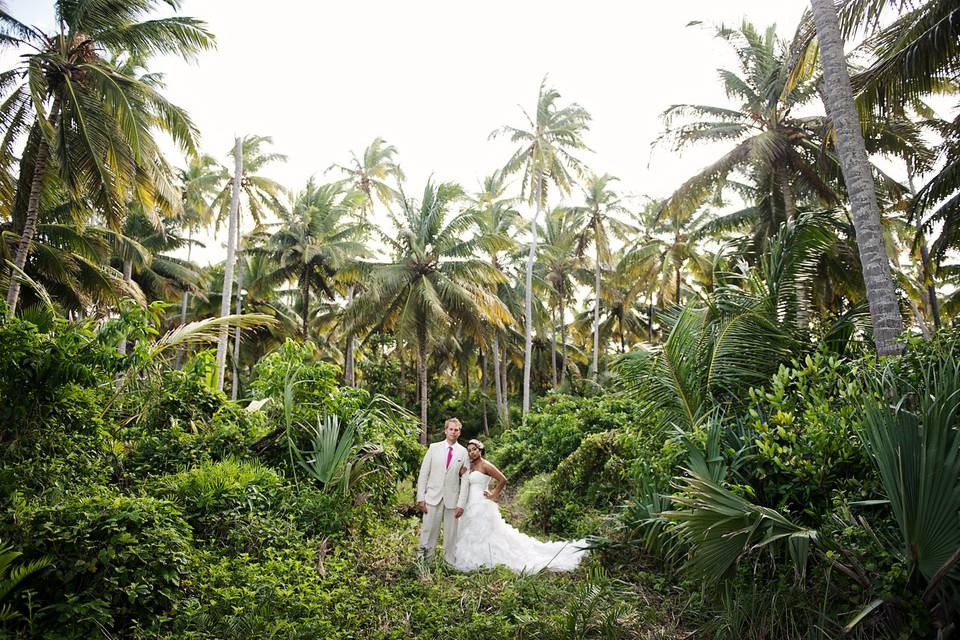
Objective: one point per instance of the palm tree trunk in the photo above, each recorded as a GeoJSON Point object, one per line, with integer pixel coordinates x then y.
{"type": "Point", "coordinates": [305, 302]}
{"type": "Point", "coordinates": [349, 378]}
{"type": "Point", "coordinates": [484, 386]}
{"type": "Point", "coordinates": [563, 340]}
{"type": "Point", "coordinates": [676, 294]}
{"type": "Point", "coordinates": [422, 371]}
{"type": "Point", "coordinates": [528, 303]}
{"type": "Point", "coordinates": [596, 312]}
{"type": "Point", "coordinates": [553, 347]}
{"type": "Point", "coordinates": [235, 387]}
{"type": "Point", "coordinates": [918, 316]}
{"type": "Point", "coordinates": [497, 382]}
{"type": "Point", "coordinates": [184, 302]}
{"type": "Point", "coordinates": [127, 278]}
{"type": "Point", "coordinates": [838, 101]}
{"type": "Point", "coordinates": [504, 384]}
{"type": "Point", "coordinates": [790, 213]}
{"type": "Point", "coordinates": [932, 304]}
{"type": "Point", "coordinates": [40, 162]}
{"type": "Point", "coordinates": [225, 295]}
{"type": "Point", "coordinates": [650, 320]}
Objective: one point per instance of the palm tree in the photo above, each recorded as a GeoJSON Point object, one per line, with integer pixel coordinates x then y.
{"type": "Point", "coordinates": [669, 249]}
{"type": "Point", "coordinates": [495, 221]}
{"type": "Point", "coordinates": [86, 118]}
{"type": "Point", "coordinates": [315, 240]}
{"type": "Point", "coordinates": [545, 158]}
{"type": "Point", "coordinates": [262, 195]}
{"type": "Point", "coordinates": [601, 202]}
{"type": "Point", "coordinates": [558, 262]}
{"type": "Point", "coordinates": [369, 176]}
{"type": "Point", "coordinates": [199, 181]}
{"type": "Point", "coordinates": [431, 281]}
{"type": "Point", "coordinates": [780, 149]}
{"type": "Point", "coordinates": [838, 100]}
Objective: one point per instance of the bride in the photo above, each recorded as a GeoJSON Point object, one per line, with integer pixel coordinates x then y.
{"type": "Point", "coordinates": [484, 539]}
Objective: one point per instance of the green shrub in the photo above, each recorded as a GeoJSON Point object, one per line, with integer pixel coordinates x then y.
{"type": "Point", "coordinates": [185, 423]}
{"type": "Point", "coordinates": [593, 479]}
{"type": "Point", "coordinates": [118, 561]}
{"type": "Point", "coordinates": [807, 456]}
{"type": "Point", "coordinates": [213, 493]}
{"type": "Point", "coordinates": [36, 366]}
{"type": "Point", "coordinates": [555, 428]}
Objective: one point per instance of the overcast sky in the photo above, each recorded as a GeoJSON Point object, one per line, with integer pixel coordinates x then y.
{"type": "Point", "coordinates": [434, 78]}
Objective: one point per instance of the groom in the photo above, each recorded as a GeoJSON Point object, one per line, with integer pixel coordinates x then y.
{"type": "Point", "coordinates": [438, 492]}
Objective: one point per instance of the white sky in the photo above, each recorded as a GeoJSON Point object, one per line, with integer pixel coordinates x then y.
{"type": "Point", "coordinates": [434, 78]}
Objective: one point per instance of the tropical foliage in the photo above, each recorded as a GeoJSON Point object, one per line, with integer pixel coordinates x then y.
{"type": "Point", "coordinates": [743, 390]}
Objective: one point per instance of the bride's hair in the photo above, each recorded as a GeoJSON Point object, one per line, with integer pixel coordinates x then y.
{"type": "Point", "coordinates": [477, 444]}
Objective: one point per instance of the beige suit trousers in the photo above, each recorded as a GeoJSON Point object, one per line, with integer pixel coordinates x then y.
{"type": "Point", "coordinates": [430, 530]}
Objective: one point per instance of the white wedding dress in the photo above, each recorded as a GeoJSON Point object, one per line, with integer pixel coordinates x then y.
{"type": "Point", "coordinates": [484, 539]}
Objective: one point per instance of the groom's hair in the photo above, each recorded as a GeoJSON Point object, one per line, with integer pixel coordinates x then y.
{"type": "Point", "coordinates": [455, 421]}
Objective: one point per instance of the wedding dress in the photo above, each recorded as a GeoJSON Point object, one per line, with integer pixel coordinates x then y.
{"type": "Point", "coordinates": [484, 539]}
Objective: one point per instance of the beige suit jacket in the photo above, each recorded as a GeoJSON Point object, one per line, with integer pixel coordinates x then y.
{"type": "Point", "coordinates": [439, 483]}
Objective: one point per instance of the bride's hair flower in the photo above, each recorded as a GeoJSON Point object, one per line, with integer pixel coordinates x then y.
{"type": "Point", "coordinates": [477, 444]}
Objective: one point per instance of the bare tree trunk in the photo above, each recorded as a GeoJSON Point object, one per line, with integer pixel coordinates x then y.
{"type": "Point", "coordinates": [528, 303]}
{"type": "Point", "coordinates": [232, 227]}
{"type": "Point", "coordinates": [349, 377]}
{"type": "Point", "coordinates": [933, 304]}
{"type": "Point", "coordinates": [650, 320]}
{"type": "Point", "coordinates": [184, 302]}
{"type": "Point", "coordinates": [305, 302]}
{"type": "Point", "coordinates": [553, 348]}
{"type": "Point", "coordinates": [790, 213]}
{"type": "Point", "coordinates": [504, 384]}
{"type": "Point", "coordinates": [563, 340]}
{"type": "Point", "coordinates": [422, 371]}
{"type": "Point", "coordinates": [235, 387]}
{"type": "Point", "coordinates": [838, 100]}
{"type": "Point", "coordinates": [497, 382]}
{"type": "Point", "coordinates": [127, 278]}
{"type": "Point", "coordinates": [484, 388]}
{"type": "Point", "coordinates": [40, 162]}
{"type": "Point", "coordinates": [596, 312]}
{"type": "Point", "coordinates": [918, 316]}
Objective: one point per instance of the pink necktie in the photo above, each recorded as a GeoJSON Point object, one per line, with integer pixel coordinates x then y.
{"type": "Point", "coordinates": [449, 455]}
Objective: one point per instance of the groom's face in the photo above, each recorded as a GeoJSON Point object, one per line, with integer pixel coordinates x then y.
{"type": "Point", "coordinates": [452, 431]}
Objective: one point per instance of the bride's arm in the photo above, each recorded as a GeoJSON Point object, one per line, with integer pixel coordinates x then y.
{"type": "Point", "coordinates": [499, 477]}
{"type": "Point", "coordinates": [464, 490]}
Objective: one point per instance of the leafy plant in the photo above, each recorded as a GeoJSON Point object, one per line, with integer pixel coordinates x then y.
{"type": "Point", "coordinates": [915, 445]}
{"type": "Point", "coordinates": [11, 575]}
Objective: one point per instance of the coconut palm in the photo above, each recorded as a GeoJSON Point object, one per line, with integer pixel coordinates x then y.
{"type": "Point", "coordinates": [601, 203]}
{"type": "Point", "coordinates": [838, 100]}
{"type": "Point", "coordinates": [545, 157]}
{"type": "Point", "coordinates": [432, 279]}
{"type": "Point", "coordinates": [84, 118]}
{"type": "Point", "coordinates": [369, 176]}
{"type": "Point", "coordinates": [315, 240]}
{"type": "Point", "coordinates": [262, 195]}
{"type": "Point", "coordinates": [766, 133]}
{"type": "Point", "coordinates": [558, 263]}
{"type": "Point", "coordinates": [496, 221]}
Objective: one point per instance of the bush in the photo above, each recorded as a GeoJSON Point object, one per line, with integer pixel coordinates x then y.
{"type": "Point", "coordinates": [119, 561]}
{"type": "Point", "coordinates": [213, 494]}
{"type": "Point", "coordinates": [808, 457]}
{"type": "Point", "coordinates": [555, 429]}
{"type": "Point", "coordinates": [183, 422]}
{"type": "Point", "coordinates": [593, 479]}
